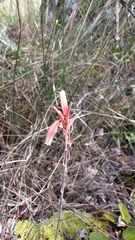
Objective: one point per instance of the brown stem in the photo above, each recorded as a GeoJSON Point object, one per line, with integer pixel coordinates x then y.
{"type": "Point", "coordinates": [65, 161]}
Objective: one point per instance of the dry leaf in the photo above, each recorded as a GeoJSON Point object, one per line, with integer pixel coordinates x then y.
{"type": "Point", "coordinates": [124, 159]}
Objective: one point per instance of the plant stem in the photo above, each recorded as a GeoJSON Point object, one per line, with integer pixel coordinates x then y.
{"type": "Point", "coordinates": [65, 161]}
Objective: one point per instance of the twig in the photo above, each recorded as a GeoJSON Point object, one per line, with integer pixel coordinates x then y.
{"type": "Point", "coordinates": [65, 161]}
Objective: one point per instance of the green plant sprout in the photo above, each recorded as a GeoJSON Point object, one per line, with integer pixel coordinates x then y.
{"type": "Point", "coordinates": [123, 220]}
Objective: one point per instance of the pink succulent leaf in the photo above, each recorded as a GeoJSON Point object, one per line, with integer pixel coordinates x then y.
{"type": "Point", "coordinates": [71, 121]}
{"type": "Point", "coordinates": [74, 139]}
{"type": "Point", "coordinates": [68, 113]}
{"type": "Point", "coordinates": [60, 115]}
{"type": "Point", "coordinates": [63, 102]}
{"type": "Point", "coordinates": [51, 132]}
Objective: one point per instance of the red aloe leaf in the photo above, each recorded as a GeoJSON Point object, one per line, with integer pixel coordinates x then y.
{"type": "Point", "coordinates": [71, 121]}
{"type": "Point", "coordinates": [63, 102]}
{"type": "Point", "coordinates": [51, 132]}
{"type": "Point", "coordinates": [68, 113]}
{"type": "Point", "coordinates": [74, 139]}
{"type": "Point", "coordinates": [60, 115]}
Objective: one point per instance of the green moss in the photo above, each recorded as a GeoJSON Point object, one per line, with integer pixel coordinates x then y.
{"type": "Point", "coordinates": [71, 224]}
{"type": "Point", "coordinates": [74, 222]}
{"type": "Point", "coordinates": [48, 230]}
{"type": "Point", "coordinates": [27, 230]}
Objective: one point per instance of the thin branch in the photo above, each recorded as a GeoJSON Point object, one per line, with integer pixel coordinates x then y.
{"type": "Point", "coordinates": [65, 161]}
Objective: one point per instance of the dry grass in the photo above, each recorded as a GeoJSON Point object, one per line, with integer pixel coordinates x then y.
{"type": "Point", "coordinates": [83, 57]}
